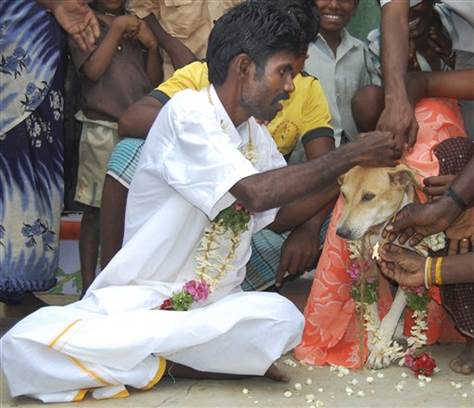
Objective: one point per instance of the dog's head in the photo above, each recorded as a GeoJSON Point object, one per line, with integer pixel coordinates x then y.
{"type": "Point", "coordinates": [372, 196]}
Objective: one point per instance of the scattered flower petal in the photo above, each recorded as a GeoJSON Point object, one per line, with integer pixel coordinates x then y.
{"type": "Point", "coordinates": [320, 389]}
{"type": "Point", "coordinates": [245, 391]}
{"type": "Point", "coordinates": [354, 381]}
{"type": "Point", "coordinates": [309, 397]}
{"type": "Point", "coordinates": [309, 381]}
{"type": "Point", "coordinates": [369, 380]}
{"type": "Point", "coordinates": [360, 393]}
{"type": "Point", "coordinates": [298, 386]}
{"type": "Point", "coordinates": [287, 394]}
{"type": "Point", "coordinates": [380, 375]}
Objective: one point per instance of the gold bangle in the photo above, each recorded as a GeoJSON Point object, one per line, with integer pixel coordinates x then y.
{"type": "Point", "coordinates": [428, 263]}
{"type": "Point", "coordinates": [438, 277]}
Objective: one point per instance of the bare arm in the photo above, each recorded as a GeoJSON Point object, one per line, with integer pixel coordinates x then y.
{"type": "Point", "coordinates": [100, 59]}
{"type": "Point", "coordinates": [180, 54]}
{"type": "Point", "coordinates": [452, 84]}
{"type": "Point", "coordinates": [154, 63]}
{"type": "Point", "coordinates": [303, 210]}
{"type": "Point", "coordinates": [139, 117]}
{"type": "Point", "coordinates": [398, 116]}
{"type": "Point", "coordinates": [280, 187]}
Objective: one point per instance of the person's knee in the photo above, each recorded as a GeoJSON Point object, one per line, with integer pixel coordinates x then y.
{"type": "Point", "coordinates": [367, 105]}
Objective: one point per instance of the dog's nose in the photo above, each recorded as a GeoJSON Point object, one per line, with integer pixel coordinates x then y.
{"type": "Point", "coordinates": [344, 232]}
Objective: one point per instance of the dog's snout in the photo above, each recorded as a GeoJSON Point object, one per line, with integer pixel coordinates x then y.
{"type": "Point", "coordinates": [344, 232]}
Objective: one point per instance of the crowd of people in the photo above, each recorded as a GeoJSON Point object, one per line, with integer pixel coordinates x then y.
{"type": "Point", "coordinates": [207, 182]}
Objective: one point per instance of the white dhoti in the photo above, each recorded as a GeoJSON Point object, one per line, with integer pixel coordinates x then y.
{"type": "Point", "coordinates": [58, 353]}
{"type": "Point", "coordinates": [117, 336]}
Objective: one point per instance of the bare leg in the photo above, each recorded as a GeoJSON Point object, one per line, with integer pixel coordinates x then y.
{"type": "Point", "coordinates": [367, 105]}
{"type": "Point", "coordinates": [89, 245]}
{"type": "Point", "coordinates": [178, 370]}
{"type": "Point", "coordinates": [464, 363]}
{"type": "Point", "coordinates": [112, 219]}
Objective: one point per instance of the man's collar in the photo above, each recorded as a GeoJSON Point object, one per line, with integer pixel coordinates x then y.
{"type": "Point", "coordinates": [223, 117]}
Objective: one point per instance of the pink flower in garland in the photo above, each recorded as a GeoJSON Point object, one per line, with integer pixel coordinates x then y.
{"type": "Point", "coordinates": [354, 270]}
{"type": "Point", "coordinates": [197, 289]}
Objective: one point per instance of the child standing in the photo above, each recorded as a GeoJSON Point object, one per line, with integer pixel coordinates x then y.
{"type": "Point", "coordinates": [340, 62]}
{"type": "Point", "coordinates": [124, 67]}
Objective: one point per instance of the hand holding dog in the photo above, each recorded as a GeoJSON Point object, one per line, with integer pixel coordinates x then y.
{"type": "Point", "coordinates": [402, 265]}
{"type": "Point", "coordinates": [377, 149]}
{"type": "Point", "coordinates": [416, 221]}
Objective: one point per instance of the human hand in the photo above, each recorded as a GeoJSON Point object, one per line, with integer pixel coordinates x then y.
{"type": "Point", "coordinates": [402, 265]}
{"type": "Point", "coordinates": [398, 117]}
{"type": "Point", "coordinates": [128, 24]}
{"type": "Point", "coordinates": [416, 221]}
{"type": "Point", "coordinates": [461, 233]}
{"type": "Point", "coordinates": [376, 149]}
{"type": "Point", "coordinates": [146, 36]}
{"type": "Point", "coordinates": [78, 20]}
{"type": "Point", "coordinates": [298, 252]}
{"type": "Point", "coordinates": [436, 186]}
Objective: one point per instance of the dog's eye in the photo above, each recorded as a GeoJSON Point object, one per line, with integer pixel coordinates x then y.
{"type": "Point", "coordinates": [368, 196]}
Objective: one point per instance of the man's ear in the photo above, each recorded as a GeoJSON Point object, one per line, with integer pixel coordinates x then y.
{"type": "Point", "coordinates": [242, 64]}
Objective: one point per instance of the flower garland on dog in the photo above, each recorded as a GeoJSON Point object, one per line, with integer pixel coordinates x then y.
{"type": "Point", "coordinates": [365, 293]}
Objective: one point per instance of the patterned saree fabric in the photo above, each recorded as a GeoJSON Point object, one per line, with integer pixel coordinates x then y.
{"type": "Point", "coordinates": [332, 332]}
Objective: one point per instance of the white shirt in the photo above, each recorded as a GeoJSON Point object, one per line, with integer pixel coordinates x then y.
{"type": "Point", "coordinates": [463, 21]}
{"type": "Point", "coordinates": [340, 75]}
{"type": "Point", "coordinates": [189, 162]}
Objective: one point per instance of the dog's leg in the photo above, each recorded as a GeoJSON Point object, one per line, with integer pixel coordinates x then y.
{"type": "Point", "coordinates": [379, 356]}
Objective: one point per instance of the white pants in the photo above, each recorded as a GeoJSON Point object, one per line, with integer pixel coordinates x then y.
{"type": "Point", "coordinates": [58, 353]}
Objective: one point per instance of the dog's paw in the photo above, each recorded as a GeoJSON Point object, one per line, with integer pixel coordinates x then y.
{"type": "Point", "coordinates": [378, 358]}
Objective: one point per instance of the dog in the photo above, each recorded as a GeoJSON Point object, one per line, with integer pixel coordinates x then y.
{"type": "Point", "coordinates": [372, 197]}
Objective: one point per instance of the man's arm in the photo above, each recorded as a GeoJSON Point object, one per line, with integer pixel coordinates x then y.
{"type": "Point", "coordinates": [180, 54]}
{"type": "Point", "coordinates": [452, 84]}
{"type": "Point", "coordinates": [280, 187]}
{"type": "Point", "coordinates": [416, 221]}
{"type": "Point", "coordinates": [398, 116]}
{"type": "Point", "coordinates": [139, 117]}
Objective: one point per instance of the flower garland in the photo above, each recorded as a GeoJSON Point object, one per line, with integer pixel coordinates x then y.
{"type": "Point", "coordinates": [217, 248]}
{"type": "Point", "coordinates": [365, 293]}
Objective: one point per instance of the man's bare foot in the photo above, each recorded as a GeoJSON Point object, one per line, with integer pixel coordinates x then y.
{"type": "Point", "coordinates": [464, 363]}
{"type": "Point", "coordinates": [275, 374]}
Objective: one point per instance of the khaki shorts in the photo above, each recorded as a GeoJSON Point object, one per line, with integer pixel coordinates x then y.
{"type": "Point", "coordinates": [98, 138]}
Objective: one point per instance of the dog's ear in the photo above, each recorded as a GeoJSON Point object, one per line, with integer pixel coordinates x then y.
{"type": "Point", "coordinates": [401, 177]}
{"type": "Point", "coordinates": [340, 179]}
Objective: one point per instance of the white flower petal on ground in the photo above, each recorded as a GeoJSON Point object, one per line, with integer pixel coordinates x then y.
{"type": "Point", "coordinates": [319, 404]}
{"type": "Point", "coordinates": [309, 381]}
{"type": "Point", "coordinates": [360, 393]}
{"type": "Point", "coordinates": [287, 394]}
{"type": "Point", "coordinates": [380, 375]}
{"type": "Point", "coordinates": [369, 380]}
{"type": "Point", "coordinates": [421, 384]}
{"type": "Point", "coordinates": [245, 391]}
{"type": "Point", "coordinates": [354, 381]}
{"type": "Point", "coordinates": [309, 397]}
{"type": "Point", "coordinates": [404, 375]}
{"type": "Point", "coordinates": [320, 389]}
{"type": "Point", "coordinates": [298, 386]}
{"type": "Point", "coordinates": [349, 391]}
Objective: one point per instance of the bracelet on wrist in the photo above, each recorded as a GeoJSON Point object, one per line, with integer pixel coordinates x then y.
{"type": "Point", "coordinates": [428, 264]}
{"type": "Point", "coordinates": [438, 278]}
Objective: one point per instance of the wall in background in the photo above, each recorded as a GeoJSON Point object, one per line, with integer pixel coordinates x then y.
{"type": "Point", "coordinates": [367, 18]}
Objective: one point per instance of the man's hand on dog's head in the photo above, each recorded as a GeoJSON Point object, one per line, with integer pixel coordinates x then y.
{"type": "Point", "coordinates": [377, 149]}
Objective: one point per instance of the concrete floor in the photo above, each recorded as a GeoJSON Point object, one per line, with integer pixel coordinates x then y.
{"type": "Point", "coordinates": [446, 389]}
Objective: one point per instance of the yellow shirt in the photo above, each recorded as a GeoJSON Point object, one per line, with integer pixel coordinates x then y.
{"type": "Point", "coordinates": [304, 115]}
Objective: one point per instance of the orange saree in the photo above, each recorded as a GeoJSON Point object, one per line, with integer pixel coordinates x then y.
{"type": "Point", "coordinates": [332, 333]}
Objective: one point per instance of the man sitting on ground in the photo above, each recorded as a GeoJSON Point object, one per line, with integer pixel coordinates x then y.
{"type": "Point", "coordinates": [208, 178]}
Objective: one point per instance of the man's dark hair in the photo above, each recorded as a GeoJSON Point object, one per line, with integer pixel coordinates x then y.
{"type": "Point", "coordinates": [258, 28]}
